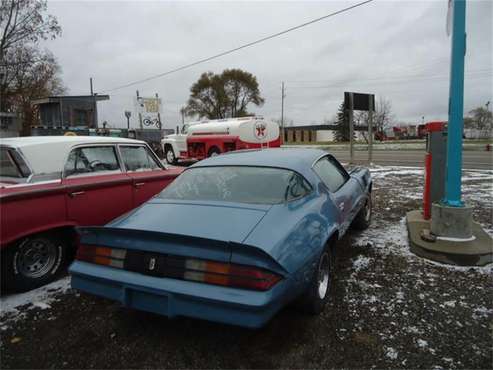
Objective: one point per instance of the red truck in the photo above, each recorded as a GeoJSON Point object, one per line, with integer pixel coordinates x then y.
{"type": "Point", "coordinates": [51, 184]}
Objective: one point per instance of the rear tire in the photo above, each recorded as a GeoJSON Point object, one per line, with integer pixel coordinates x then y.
{"type": "Point", "coordinates": [170, 155]}
{"type": "Point", "coordinates": [363, 219]}
{"type": "Point", "coordinates": [318, 294]}
{"type": "Point", "coordinates": [213, 151]}
{"type": "Point", "coordinates": [33, 262]}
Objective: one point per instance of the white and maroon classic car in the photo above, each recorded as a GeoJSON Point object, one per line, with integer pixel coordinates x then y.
{"type": "Point", "coordinates": [51, 184]}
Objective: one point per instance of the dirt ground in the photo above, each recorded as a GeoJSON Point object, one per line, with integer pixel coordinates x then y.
{"type": "Point", "coordinates": [389, 309]}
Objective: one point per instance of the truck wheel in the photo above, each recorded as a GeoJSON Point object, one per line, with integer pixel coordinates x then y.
{"type": "Point", "coordinates": [213, 151]}
{"type": "Point", "coordinates": [317, 295]}
{"type": "Point", "coordinates": [33, 262]}
{"type": "Point", "coordinates": [170, 155]}
{"type": "Point", "coordinates": [363, 218]}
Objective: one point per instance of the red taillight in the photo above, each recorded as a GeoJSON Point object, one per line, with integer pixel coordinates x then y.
{"type": "Point", "coordinates": [101, 255]}
{"type": "Point", "coordinates": [227, 274]}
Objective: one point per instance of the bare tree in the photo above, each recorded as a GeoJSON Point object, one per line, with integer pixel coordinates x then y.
{"type": "Point", "coordinates": [25, 21]}
{"type": "Point", "coordinates": [32, 74]}
{"type": "Point", "coordinates": [383, 117]}
{"type": "Point", "coordinates": [26, 72]}
{"type": "Point", "coordinates": [482, 118]}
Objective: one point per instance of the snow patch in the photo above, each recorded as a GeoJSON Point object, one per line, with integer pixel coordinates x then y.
{"type": "Point", "coordinates": [391, 353]}
{"type": "Point", "coordinates": [12, 305]}
{"type": "Point", "coordinates": [361, 263]}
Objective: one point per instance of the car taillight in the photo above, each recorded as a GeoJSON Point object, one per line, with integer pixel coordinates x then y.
{"type": "Point", "coordinates": [178, 267]}
{"type": "Point", "coordinates": [228, 274]}
{"type": "Point", "coordinates": [101, 255]}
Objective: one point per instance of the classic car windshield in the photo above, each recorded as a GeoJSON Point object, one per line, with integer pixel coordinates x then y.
{"type": "Point", "coordinates": [260, 185]}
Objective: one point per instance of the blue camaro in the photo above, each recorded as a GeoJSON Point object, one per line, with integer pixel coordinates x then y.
{"type": "Point", "coordinates": [233, 239]}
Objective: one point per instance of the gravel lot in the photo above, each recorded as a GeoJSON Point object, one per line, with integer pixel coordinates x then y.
{"type": "Point", "coordinates": [390, 309]}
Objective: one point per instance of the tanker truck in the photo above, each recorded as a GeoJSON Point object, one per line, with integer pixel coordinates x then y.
{"type": "Point", "coordinates": [203, 139]}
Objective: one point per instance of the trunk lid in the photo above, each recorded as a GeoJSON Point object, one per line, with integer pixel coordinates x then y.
{"type": "Point", "coordinates": [218, 221]}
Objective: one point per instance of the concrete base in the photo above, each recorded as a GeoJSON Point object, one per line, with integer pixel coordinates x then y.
{"type": "Point", "coordinates": [477, 252]}
{"type": "Point", "coordinates": [451, 222]}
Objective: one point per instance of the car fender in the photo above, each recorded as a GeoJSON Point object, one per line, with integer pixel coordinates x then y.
{"type": "Point", "coordinates": [173, 144]}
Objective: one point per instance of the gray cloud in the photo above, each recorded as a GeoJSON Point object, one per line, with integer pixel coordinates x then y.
{"type": "Point", "coordinates": [395, 49]}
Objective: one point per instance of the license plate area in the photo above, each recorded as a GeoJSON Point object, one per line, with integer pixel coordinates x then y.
{"type": "Point", "coordinates": [148, 302]}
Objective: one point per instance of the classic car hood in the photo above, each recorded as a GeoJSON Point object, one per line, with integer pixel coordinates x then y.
{"type": "Point", "coordinates": [218, 220]}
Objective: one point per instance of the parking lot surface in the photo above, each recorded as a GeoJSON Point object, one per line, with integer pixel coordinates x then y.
{"type": "Point", "coordinates": [389, 309]}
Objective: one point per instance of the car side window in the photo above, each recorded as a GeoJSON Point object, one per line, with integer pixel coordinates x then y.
{"type": "Point", "coordinates": [138, 158]}
{"type": "Point", "coordinates": [91, 160]}
{"type": "Point", "coordinates": [330, 173]}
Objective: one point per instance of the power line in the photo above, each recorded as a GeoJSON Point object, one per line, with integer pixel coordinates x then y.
{"type": "Point", "coordinates": [200, 61]}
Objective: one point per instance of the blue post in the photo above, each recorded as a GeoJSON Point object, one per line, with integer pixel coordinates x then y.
{"type": "Point", "coordinates": [456, 107]}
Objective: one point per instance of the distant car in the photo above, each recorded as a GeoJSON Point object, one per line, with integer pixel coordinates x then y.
{"type": "Point", "coordinates": [233, 239]}
{"type": "Point", "coordinates": [50, 184]}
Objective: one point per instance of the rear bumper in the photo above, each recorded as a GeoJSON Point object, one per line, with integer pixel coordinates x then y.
{"type": "Point", "coordinates": [172, 297]}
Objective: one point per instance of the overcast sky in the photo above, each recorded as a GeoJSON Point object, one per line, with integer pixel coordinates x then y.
{"type": "Point", "coordinates": [395, 49]}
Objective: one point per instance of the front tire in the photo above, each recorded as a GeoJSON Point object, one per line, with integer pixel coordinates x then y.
{"type": "Point", "coordinates": [317, 295]}
{"type": "Point", "coordinates": [33, 262]}
{"type": "Point", "coordinates": [170, 155]}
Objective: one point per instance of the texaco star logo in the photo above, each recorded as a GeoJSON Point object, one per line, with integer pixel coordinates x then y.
{"type": "Point", "coordinates": [260, 130]}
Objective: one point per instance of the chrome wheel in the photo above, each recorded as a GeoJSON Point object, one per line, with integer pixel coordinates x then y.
{"type": "Point", "coordinates": [323, 275]}
{"type": "Point", "coordinates": [170, 156]}
{"type": "Point", "coordinates": [36, 258]}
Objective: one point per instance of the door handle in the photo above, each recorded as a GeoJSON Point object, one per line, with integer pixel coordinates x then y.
{"type": "Point", "coordinates": [75, 193]}
{"type": "Point", "coordinates": [139, 184]}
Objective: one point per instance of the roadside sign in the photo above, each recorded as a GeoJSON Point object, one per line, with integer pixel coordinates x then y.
{"type": "Point", "coordinates": [149, 109]}
{"type": "Point", "coordinates": [360, 101]}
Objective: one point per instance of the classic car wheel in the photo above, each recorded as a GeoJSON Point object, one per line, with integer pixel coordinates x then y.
{"type": "Point", "coordinates": [33, 262]}
{"type": "Point", "coordinates": [317, 296]}
{"type": "Point", "coordinates": [170, 156]}
{"type": "Point", "coordinates": [363, 218]}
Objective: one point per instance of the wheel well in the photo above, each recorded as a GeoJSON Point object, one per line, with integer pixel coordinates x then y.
{"type": "Point", "coordinates": [214, 148]}
{"type": "Point", "coordinates": [64, 232]}
{"type": "Point", "coordinates": [168, 146]}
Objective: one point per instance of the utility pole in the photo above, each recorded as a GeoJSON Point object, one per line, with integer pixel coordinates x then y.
{"type": "Point", "coordinates": [158, 112]}
{"type": "Point", "coordinates": [351, 128]}
{"type": "Point", "coordinates": [282, 109]}
{"type": "Point", "coordinates": [456, 107]}
{"type": "Point", "coordinates": [95, 105]}
{"type": "Point", "coordinates": [370, 128]}
{"type": "Point", "coordinates": [138, 109]}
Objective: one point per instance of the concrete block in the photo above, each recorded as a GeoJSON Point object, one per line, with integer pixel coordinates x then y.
{"type": "Point", "coordinates": [476, 252]}
{"type": "Point", "coordinates": [451, 222]}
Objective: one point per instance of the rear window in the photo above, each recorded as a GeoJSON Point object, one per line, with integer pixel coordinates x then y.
{"type": "Point", "coordinates": [259, 185]}
{"type": "Point", "coordinates": [12, 164]}
{"type": "Point", "coordinates": [138, 158]}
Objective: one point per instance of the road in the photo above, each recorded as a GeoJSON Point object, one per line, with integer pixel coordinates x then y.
{"type": "Point", "coordinates": [472, 160]}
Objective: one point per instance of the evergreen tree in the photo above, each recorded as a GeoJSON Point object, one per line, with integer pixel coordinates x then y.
{"type": "Point", "coordinates": [342, 124]}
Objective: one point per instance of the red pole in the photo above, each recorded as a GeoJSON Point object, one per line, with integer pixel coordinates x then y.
{"type": "Point", "coordinates": [426, 192]}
